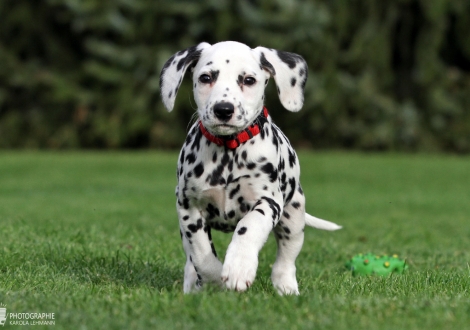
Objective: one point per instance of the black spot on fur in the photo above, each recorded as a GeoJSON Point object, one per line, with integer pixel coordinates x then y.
{"type": "Point", "coordinates": [213, 250]}
{"type": "Point", "coordinates": [290, 59]}
{"type": "Point", "coordinates": [231, 214]}
{"type": "Point", "coordinates": [227, 61]}
{"type": "Point", "coordinates": [225, 159]}
{"type": "Point", "coordinates": [275, 208]}
{"type": "Point", "coordinates": [292, 158]}
{"type": "Point", "coordinates": [198, 170]}
{"type": "Point", "coordinates": [209, 63]}
{"type": "Point", "coordinates": [195, 227]}
{"type": "Point", "coordinates": [193, 54]}
{"type": "Point", "coordinates": [250, 166]}
{"type": "Point", "coordinates": [229, 179]}
{"type": "Point", "coordinates": [260, 211]}
{"type": "Point", "coordinates": [275, 139]}
{"type": "Point", "coordinates": [214, 75]}
{"type": "Point", "coordinates": [215, 177]}
{"type": "Point", "coordinates": [212, 211]}
{"type": "Point", "coordinates": [244, 207]}
{"type": "Point", "coordinates": [293, 81]}
{"type": "Point", "coordinates": [234, 191]}
{"type": "Point", "coordinates": [296, 205]}
{"type": "Point", "coordinates": [257, 203]}
{"type": "Point", "coordinates": [268, 168]}
{"type": "Point", "coordinates": [181, 157]}
{"type": "Point", "coordinates": [266, 65]}
{"type": "Point", "coordinates": [186, 217]}
{"type": "Point", "coordinates": [283, 178]}
{"type": "Point", "coordinates": [263, 132]}
{"type": "Point", "coordinates": [292, 189]}
{"type": "Point", "coordinates": [196, 141]}
{"type": "Point", "coordinates": [242, 231]}
{"type": "Point", "coordinates": [191, 158]}
{"type": "Point", "coordinates": [281, 165]}
{"type": "Point", "coordinates": [246, 176]}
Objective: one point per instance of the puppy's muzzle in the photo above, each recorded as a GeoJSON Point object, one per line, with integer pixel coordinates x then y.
{"type": "Point", "coordinates": [224, 111]}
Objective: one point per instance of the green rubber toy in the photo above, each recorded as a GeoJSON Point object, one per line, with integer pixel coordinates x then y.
{"type": "Point", "coordinates": [371, 264]}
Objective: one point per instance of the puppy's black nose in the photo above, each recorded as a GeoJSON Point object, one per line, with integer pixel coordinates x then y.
{"type": "Point", "coordinates": [223, 111]}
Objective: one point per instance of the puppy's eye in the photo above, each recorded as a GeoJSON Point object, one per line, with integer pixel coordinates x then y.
{"type": "Point", "coordinates": [249, 81]}
{"type": "Point", "coordinates": [205, 79]}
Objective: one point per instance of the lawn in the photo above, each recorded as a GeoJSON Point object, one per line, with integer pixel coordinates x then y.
{"type": "Point", "coordinates": [93, 238]}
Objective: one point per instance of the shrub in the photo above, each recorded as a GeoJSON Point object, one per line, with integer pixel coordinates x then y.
{"type": "Point", "coordinates": [382, 75]}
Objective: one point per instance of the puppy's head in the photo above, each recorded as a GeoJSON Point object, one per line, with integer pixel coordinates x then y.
{"type": "Point", "coordinates": [229, 80]}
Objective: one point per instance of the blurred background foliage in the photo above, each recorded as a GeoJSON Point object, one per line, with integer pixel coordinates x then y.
{"type": "Point", "coordinates": [383, 75]}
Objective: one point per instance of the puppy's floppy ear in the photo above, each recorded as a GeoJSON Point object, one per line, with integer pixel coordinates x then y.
{"type": "Point", "coordinates": [290, 73]}
{"type": "Point", "coordinates": [173, 72]}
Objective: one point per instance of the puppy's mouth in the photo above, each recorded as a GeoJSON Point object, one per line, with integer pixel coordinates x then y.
{"type": "Point", "coordinates": [227, 126]}
{"type": "Point", "coordinates": [224, 129]}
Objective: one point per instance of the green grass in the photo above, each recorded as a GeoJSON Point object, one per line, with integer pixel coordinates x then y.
{"type": "Point", "coordinates": [93, 237]}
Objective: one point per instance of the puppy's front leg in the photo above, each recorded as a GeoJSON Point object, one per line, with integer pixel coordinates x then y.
{"type": "Point", "coordinates": [202, 265]}
{"type": "Point", "coordinates": [241, 261]}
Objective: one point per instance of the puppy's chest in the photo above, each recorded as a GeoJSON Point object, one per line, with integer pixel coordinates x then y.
{"type": "Point", "coordinates": [227, 186]}
{"type": "Point", "coordinates": [224, 205]}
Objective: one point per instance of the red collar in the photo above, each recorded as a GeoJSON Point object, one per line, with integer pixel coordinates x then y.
{"type": "Point", "coordinates": [232, 142]}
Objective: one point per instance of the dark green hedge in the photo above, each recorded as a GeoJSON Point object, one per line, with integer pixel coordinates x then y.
{"type": "Point", "coordinates": [384, 75]}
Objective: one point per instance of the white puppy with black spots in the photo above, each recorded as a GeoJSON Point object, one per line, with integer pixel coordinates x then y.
{"type": "Point", "coordinates": [237, 171]}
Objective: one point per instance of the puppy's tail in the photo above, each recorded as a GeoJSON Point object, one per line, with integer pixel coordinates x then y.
{"type": "Point", "coordinates": [320, 223]}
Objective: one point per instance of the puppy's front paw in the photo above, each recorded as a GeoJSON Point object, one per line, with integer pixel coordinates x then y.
{"type": "Point", "coordinates": [239, 270]}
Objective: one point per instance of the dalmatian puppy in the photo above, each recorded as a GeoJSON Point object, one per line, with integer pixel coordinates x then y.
{"type": "Point", "coordinates": [237, 172]}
